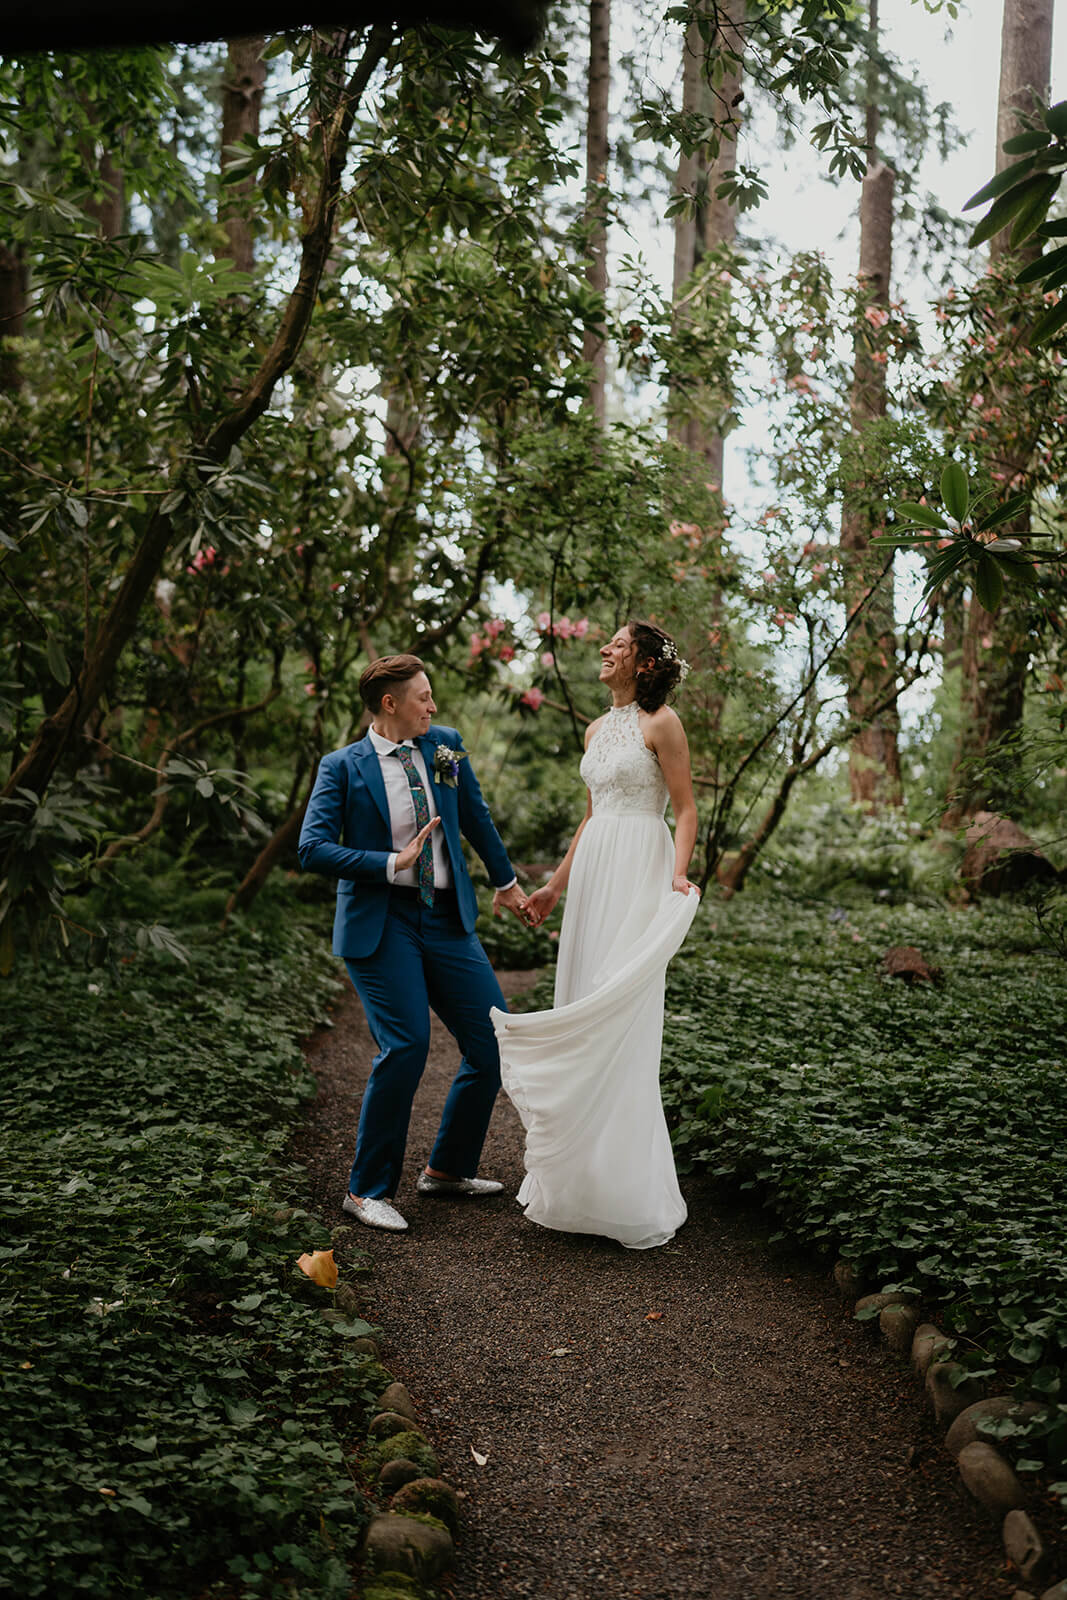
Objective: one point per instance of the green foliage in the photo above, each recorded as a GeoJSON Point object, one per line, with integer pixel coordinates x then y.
{"type": "Point", "coordinates": [965, 536]}
{"type": "Point", "coordinates": [1022, 197]}
{"type": "Point", "coordinates": [178, 1413]}
{"type": "Point", "coordinates": [920, 1132]}
{"type": "Point", "coordinates": [830, 848]}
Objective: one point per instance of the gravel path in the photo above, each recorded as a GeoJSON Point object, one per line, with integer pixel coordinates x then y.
{"type": "Point", "coordinates": [699, 1422]}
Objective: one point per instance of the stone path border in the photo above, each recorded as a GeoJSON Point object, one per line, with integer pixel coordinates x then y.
{"type": "Point", "coordinates": [959, 1405]}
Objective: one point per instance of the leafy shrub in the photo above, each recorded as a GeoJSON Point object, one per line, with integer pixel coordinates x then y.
{"type": "Point", "coordinates": [921, 1133]}
{"type": "Point", "coordinates": [841, 850]}
{"type": "Point", "coordinates": [178, 1413]}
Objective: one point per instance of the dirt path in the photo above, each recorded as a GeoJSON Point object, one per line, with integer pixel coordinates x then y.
{"type": "Point", "coordinates": [699, 1422]}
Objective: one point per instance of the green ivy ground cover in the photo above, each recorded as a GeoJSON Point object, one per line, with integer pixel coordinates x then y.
{"type": "Point", "coordinates": [920, 1133]}
{"type": "Point", "coordinates": [178, 1415]}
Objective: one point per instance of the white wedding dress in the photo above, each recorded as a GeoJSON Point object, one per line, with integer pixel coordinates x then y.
{"type": "Point", "coordinates": [584, 1077]}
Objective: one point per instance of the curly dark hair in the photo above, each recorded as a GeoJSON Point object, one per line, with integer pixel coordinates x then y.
{"type": "Point", "coordinates": [659, 671]}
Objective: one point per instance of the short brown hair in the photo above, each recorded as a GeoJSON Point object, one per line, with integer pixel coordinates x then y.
{"type": "Point", "coordinates": [383, 677]}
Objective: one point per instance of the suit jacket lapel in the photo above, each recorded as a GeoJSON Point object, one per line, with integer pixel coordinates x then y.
{"type": "Point", "coordinates": [369, 768]}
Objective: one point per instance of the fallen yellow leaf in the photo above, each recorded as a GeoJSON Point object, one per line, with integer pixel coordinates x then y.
{"type": "Point", "coordinates": [320, 1267]}
{"type": "Point", "coordinates": [654, 1316]}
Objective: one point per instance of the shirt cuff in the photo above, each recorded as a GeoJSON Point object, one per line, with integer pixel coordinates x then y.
{"type": "Point", "coordinates": [502, 888]}
{"type": "Point", "coordinates": [390, 866]}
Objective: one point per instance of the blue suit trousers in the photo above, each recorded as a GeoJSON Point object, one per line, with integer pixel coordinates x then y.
{"type": "Point", "coordinates": [425, 959]}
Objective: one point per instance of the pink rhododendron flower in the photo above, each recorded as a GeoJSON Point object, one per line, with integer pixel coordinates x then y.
{"type": "Point", "coordinates": [543, 621]}
{"type": "Point", "coordinates": [494, 627]}
{"type": "Point", "coordinates": [533, 698]}
{"type": "Point", "coordinates": [507, 652]}
{"type": "Point", "coordinates": [580, 628]}
{"type": "Point", "coordinates": [548, 659]}
{"type": "Point", "coordinates": [876, 316]}
{"type": "Point", "coordinates": [478, 644]}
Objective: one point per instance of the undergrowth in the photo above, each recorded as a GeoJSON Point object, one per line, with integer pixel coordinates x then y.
{"type": "Point", "coordinates": [921, 1133]}
{"type": "Point", "coordinates": [178, 1413]}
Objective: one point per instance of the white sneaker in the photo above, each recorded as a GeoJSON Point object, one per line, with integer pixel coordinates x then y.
{"type": "Point", "coordinates": [374, 1213]}
{"type": "Point", "coordinates": [474, 1187]}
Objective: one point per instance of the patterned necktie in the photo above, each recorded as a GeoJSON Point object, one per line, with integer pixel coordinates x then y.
{"type": "Point", "coordinates": [422, 817]}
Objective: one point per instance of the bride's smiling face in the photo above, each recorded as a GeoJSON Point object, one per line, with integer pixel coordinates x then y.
{"type": "Point", "coordinates": [617, 659]}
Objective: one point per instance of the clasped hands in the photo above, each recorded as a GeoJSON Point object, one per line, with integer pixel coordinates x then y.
{"type": "Point", "coordinates": [531, 910]}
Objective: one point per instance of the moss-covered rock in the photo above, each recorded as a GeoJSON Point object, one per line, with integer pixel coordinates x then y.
{"type": "Point", "coordinates": [386, 1423]}
{"type": "Point", "coordinates": [372, 1375]}
{"type": "Point", "coordinates": [346, 1299]}
{"type": "Point", "coordinates": [431, 1497]}
{"type": "Point", "coordinates": [411, 1446]}
{"type": "Point", "coordinates": [419, 1546]}
{"type": "Point", "coordinates": [395, 1474]}
{"type": "Point", "coordinates": [396, 1398]}
{"type": "Point", "coordinates": [393, 1586]}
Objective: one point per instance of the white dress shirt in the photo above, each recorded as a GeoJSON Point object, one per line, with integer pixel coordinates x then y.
{"type": "Point", "coordinates": [402, 821]}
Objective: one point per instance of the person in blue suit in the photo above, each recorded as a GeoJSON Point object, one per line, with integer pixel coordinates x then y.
{"type": "Point", "coordinates": [385, 819]}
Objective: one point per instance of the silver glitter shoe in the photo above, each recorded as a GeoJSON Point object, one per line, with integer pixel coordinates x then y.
{"type": "Point", "coordinates": [374, 1214]}
{"type": "Point", "coordinates": [457, 1186]}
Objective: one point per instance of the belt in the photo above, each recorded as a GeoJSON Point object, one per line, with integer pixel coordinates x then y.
{"type": "Point", "coordinates": [409, 892]}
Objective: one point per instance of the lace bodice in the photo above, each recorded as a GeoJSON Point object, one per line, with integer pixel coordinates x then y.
{"type": "Point", "coordinates": [619, 769]}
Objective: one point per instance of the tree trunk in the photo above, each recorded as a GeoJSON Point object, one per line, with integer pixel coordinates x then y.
{"type": "Point", "coordinates": [873, 758]}
{"type": "Point", "coordinates": [281, 843]}
{"type": "Point", "coordinates": [14, 288]}
{"type": "Point", "coordinates": [996, 653]}
{"type": "Point", "coordinates": [713, 223]}
{"type": "Point", "coordinates": [35, 770]}
{"type": "Point", "coordinates": [242, 97]}
{"type": "Point", "coordinates": [108, 210]}
{"type": "Point", "coordinates": [594, 345]}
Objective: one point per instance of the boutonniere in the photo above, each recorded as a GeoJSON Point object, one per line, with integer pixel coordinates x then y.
{"type": "Point", "coordinates": [446, 764]}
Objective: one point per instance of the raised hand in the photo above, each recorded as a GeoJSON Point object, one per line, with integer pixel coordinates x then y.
{"type": "Point", "coordinates": [541, 905]}
{"type": "Point", "coordinates": [410, 854]}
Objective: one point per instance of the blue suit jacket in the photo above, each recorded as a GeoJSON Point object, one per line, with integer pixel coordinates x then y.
{"type": "Point", "coordinates": [348, 804]}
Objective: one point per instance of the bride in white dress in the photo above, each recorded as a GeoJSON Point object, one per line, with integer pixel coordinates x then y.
{"type": "Point", "coordinates": [584, 1076]}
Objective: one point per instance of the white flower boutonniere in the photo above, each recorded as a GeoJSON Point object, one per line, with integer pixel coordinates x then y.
{"type": "Point", "coordinates": [446, 764]}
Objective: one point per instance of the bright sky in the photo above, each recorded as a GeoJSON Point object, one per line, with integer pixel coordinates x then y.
{"type": "Point", "coordinates": [962, 69]}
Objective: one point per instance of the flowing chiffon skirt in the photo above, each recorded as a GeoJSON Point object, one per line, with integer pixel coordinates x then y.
{"type": "Point", "coordinates": [584, 1077]}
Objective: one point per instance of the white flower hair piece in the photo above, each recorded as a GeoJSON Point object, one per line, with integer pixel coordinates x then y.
{"type": "Point", "coordinates": [669, 652]}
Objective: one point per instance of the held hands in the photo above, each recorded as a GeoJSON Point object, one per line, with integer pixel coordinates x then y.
{"type": "Point", "coordinates": [682, 885]}
{"type": "Point", "coordinates": [512, 900]}
{"type": "Point", "coordinates": [410, 854]}
{"type": "Point", "coordinates": [541, 905]}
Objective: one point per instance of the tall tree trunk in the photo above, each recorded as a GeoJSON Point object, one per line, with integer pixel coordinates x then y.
{"type": "Point", "coordinates": [712, 223]}
{"type": "Point", "coordinates": [107, 210]}
{"type": "Point", "coordinates": [996, 654]}
{"type": "Point", "coordinates": [873, 758]}
{"type": "Point", "coordinates": [282, 843]}
{"type": "Point", "coordinates": [594, 346]}
{"type": "Point", "coordinates": [714, 220]}
{"type": "Point", "coordinates": [14, 289]}
{"type": "Point", "coordinates": [242, 98]}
